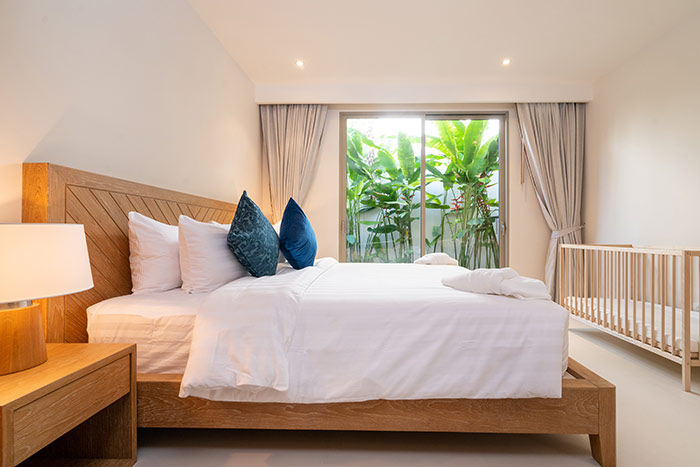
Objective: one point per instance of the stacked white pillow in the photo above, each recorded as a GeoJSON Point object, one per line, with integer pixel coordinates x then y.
{"type": "Point", "coordinates": [206, 262]}
{"type": "Point", "coordinates": [277, 227]}
{"type": "Point", "coordinates": [192, 255]}
{"type": "Point", "coordinates": [153, 255]}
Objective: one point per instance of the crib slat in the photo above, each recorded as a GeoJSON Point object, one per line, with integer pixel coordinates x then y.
{"type": "Point", "coordinates": [579, 278]}
{"type": "Point", "coordinates": [597, 286]}
{"type": "Point", "coordinates": [572, 278]}
{"type": "Point", "coordinates": [687, 278]}
{"type": "Point", "coordinates": [644, 297]}
{"type": "Point", "coordinates": [569, 275]}
{"type": "Point", "coordinates": [606, 286]}
{"type": "Point", "coordinates": [623, 293]}
{"type": "Point", "coordinates": [586, 311]}
{"type": "Point", "coordinates": [626, 283]}
{"type": "Point", "coordinates": [653, 300]}
{"type": "Point", "coordinates": [562, 296]}
{"type": "Point", "coordinates": [563, 293]}
{"type": "Point", "coordinates": [635, 292]}
{"type": "Point", "coordinates": [617, 291]}
{"type": "Point", "coordinates": [591, 285]}
{"type": "Point", "coordinates": [604, 281]}
{"type": "Point", "coordinates": [664, 285]}
{"type": "Point", "coordinates": [574, 288]}
{"type": "Point", "coordinates": [562, 275]}
{"type": "Point", "coordinates": [581, 304]}
{"type": "Point", "coordinates": [610, 317]}
{"type": "Point", "coordinates": [674, 348]}
{"type": "Point", "coordinates": [693, 282]}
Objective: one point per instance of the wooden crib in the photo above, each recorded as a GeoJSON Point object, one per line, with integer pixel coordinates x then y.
{"type": "Point", "coordinates": [645, 296]}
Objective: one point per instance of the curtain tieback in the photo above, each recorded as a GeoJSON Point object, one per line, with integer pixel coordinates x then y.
{"type": "Point", "coordinates": [560, 233]}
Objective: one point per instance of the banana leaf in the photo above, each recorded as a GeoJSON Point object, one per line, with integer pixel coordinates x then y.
{"type": "Point", "coordinates": [407, 159]}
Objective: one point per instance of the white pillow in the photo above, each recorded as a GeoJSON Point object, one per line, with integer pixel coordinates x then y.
{"type": "Point", "coordinates": [278, 227]}
{"type": "Point", "coordinates": [437, 258]}
{"type": "Point", "coordinates": [206, 261]}
{"type": "Point", "coordinates": [153, 255]}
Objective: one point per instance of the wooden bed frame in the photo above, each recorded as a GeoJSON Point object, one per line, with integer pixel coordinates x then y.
{"type": "Point", "coordinates": [61, 195]}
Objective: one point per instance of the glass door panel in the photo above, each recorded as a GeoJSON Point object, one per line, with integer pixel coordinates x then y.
{"type": "Point", "coordinates": [462, 212]}
{"type": "Point", "coordinates": [383, 189]}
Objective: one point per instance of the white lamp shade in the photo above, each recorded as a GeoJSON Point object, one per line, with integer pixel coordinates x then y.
{"type": "Point", "coordinates": [42, 260]}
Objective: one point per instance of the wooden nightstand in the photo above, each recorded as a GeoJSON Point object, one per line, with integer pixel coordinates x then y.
{"type": "Point", "coordinates": [78, 408]}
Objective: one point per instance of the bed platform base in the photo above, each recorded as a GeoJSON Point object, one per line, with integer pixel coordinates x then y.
{"type": "Point", "coordinates": [587, 406]}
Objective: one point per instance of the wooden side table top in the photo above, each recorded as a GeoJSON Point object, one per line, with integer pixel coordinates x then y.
{"type": "Point", "coordinates": [84, 394]}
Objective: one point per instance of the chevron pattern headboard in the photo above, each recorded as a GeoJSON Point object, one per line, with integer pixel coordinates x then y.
{"type": "Point", "coordinates": [56, 194]}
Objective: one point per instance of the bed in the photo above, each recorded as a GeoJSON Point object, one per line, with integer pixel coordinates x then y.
{"type": "Point", "coordinates": [645, 296]}
{"type": "Point", "coordinates": [58, 194]}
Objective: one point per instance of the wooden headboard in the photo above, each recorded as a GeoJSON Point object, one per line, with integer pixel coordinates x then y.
{"type": "Point", "coordinates": [51, 193]}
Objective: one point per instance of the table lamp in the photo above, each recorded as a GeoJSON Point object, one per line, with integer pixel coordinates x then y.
{"type": "Point", "coordinates": [36, 261]}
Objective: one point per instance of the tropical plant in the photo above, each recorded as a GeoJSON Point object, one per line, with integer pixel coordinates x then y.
{"type": "Point", "coordinates": [385, 182]}
{"type": "Point", "coordinates": [383, 193]}
{"type": "Point", "coordinates": [468, 214]}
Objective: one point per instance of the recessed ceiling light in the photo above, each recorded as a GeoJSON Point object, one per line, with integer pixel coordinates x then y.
{"type": "Point", "coordinates": [506, 61]}
{"type": "Point", "coordinates": [300, 63]}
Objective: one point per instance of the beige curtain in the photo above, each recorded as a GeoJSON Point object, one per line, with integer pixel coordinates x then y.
{"type": "Point", "coordinates": [553, 137]}
{"type": "Point", "coordinates": [291, 141]}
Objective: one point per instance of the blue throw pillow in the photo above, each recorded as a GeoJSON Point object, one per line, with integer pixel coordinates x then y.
{"type": "Point", "coordinates": [253, 240]}
{"type": "Point", "coordinates": [297, 237]}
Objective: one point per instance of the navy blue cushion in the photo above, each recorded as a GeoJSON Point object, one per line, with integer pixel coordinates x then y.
{"type": "Point", "coordinates": [253, 240]}
{"type": "Point", "coordinates": [297, 237]}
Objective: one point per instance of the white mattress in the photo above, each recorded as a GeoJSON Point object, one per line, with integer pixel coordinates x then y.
{"type": "Point", "coordinates": [609, 312]}
{"type": "Point", "coordinates": [160, 324]}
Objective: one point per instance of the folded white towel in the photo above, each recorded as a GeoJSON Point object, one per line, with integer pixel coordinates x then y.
{"type": "Point", "coordinates": [505, 281]}
{"type": "Point", "coordinates": [437, 258]}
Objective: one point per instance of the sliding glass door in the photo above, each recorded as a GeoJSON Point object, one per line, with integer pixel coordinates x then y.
{"type": "Point", "coordinates": [462, 161]}
{"type": "Point", "coordinates": [383, 190]}
{"type": "Point", "coordinates": [423, 183]}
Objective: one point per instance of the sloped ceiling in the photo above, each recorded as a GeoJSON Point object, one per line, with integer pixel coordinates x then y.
{"type": "Point", "coordinates": [362, 44]}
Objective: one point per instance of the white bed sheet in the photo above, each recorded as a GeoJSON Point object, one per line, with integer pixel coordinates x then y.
{"type": "Point", "coordinates": [382, 331]}
{"type": "Point", "coordinates": [160, 324]}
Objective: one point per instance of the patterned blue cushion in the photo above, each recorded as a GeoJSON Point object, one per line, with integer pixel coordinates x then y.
{"type": "Point", "coordinates": [297, 237]}
{"type": "Point", "coordinates": [253, 240]}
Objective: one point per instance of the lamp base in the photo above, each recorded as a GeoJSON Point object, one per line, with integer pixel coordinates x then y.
{"type": "Point", "coordinates": [22, 343]}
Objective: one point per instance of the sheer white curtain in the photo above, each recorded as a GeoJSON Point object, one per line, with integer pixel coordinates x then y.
{"type": "Point", "coordinates": [553, 136]}
{"type": "Point", "coordinates": [291, 140]}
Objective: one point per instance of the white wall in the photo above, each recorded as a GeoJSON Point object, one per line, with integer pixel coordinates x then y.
{"type": "Point", "coordinates": [134, 89]}
{"type": "Point", "coordinates": [642, 174]}
{"type": "Point", "coordinates": [528, 233]}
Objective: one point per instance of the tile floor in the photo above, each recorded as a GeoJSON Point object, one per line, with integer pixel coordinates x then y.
{"type": "Point", "coordinates": [658, 425]}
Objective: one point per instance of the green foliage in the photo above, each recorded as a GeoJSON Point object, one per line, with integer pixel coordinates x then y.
{"type": "Point", "coordinates": [464, 163]}
{"type": "Point", "coordinates": [383, 184]}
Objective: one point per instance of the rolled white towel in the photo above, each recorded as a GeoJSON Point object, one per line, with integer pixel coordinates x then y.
{"type": "Point", "coordinates": [504, 281]}
{"type": "Point", "coordinates": [525, 288]}
{"type": "Point", "coordinates": [480, 280]}
{"type": "Point", "coordinates": [437, 258]}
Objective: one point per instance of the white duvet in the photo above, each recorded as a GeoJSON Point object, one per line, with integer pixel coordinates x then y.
{"type": "Point", "coordinates": [342, 332]}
